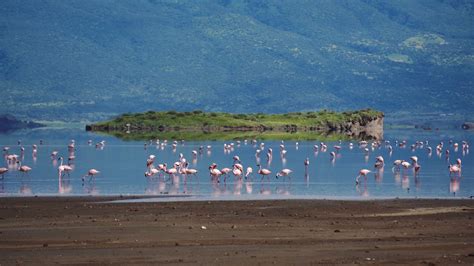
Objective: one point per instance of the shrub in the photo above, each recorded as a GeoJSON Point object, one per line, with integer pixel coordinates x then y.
{"type": "Point", "coordinates": [240, 116]}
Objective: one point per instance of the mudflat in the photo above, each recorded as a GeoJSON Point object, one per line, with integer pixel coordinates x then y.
{"type": "Point", "coordinates": [85, 230]}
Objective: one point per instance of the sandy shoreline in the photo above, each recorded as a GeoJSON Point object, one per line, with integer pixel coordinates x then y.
{"type": "Point", "coordinates": [78, 230]}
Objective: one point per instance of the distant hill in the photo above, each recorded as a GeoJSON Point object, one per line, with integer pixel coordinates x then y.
{"type": "Point", "coordinates": [91, 60]}
{"type": "Point", "coordinates": [9, 123]}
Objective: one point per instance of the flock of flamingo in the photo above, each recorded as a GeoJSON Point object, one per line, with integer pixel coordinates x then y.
{"type": "Point", "coordinates": [181, 166]}
{"type": "Point", "coordinates": [239, 172]}
{"type": "Point", "coordinates": [14, 161]}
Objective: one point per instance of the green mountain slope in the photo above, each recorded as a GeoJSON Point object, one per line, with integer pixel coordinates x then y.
{"type": "Point", "coordinates": [90, 60]}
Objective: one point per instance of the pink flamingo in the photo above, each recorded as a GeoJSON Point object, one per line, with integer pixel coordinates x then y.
{"type": "Point", "coordinates": [379, 162]}
{"type": "Point", "coordinates": [3, 171]}
{"type": "Point", "coordinates": [91, 174]}
{"type": "Point", "coordinates": [306, 164]}
{"type": "Point", "coordinates": [153, 171]}
{"type": "Point", "coordinates": [173, 171]}
{"type": "Point", "coordinates": [269, 154]}
{"type": "Point", "coordinates": [71, 145]}
{"type": "Point", "coordinates": [225, 172]}
{"type": "Point", "coordinates": [237, 163]}
{"type": "Point", "coordinates": [453, 168]}
{"type": "Point", "coordinates": [248, 172]}
{"type": "Point", "coordinates": [362, 172]}
{"type": "Point", "coordinates": [214, 172]}
{"type": "Point", "coordinates": [24, 169]}
{"type": "Point", "coordinates": [284, 172]}
{"type": "Point", "coordinates": [236, 159]}
{"type": "Point", "coordinates": [406, 165]}
{"type": "Point", "coordinates": [62, 169]}
{"type": "Point", "coordinates": [416, 165]}
{"type": "Point", "coordinates": [396, 165]}
{"type": "Point", "coordinates": [263, 172]}
{"type": "Point", "coordinates": [191, 171]}
{"type": "Point", "coordinates": [150, 160]}
{"type": "Point", "coordinates": [237, 171]}
{"type": "Point", "coordinates": [12, 158]}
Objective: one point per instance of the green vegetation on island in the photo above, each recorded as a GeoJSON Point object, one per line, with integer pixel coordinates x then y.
{"type": "Point", "coordinates": [198, 125]}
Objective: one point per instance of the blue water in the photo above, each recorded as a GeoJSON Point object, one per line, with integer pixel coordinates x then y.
{"type": "Point", "coordinates": [122, 165]}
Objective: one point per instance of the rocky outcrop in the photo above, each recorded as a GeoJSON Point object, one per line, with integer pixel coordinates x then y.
{"type": "Point", "coordinates": [370, 130]}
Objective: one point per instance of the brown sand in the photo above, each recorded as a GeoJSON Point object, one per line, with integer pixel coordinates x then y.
{"type": "Point", "coordinates": [82, 231]}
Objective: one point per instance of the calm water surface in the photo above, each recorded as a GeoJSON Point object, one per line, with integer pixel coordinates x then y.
{"type": "Point", "coordinates": [122, 166]}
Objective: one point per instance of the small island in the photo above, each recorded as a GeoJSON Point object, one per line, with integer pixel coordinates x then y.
{"type": "Point", "coordinates": [199, 125]}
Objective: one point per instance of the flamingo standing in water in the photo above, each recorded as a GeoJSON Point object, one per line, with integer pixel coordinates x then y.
{"type": "Point", "coordinates": [248, 172]}
{"type": "Point", "coordinates": [150, 161]}
{"type": "Point", "coordinates": [379, 162]}
{"type": "Point", "coordinates": [173, 171]}
{"type": "Point", "coordinates": [3, 171]}
{"type": "Point", "coordinates": [453, 168]}
{"type": "Point", "coordinates": [72, 145]}
{"type": "Point", "coordinates": [237, 163]}
{"type": "Point", "coordinates": [91, 174]}
{"type": "Point", "coordinates": [263, 172]}
{"type": "Point", "coordinates": [416, 165]}
{"type": "Point", "coordinates": [12, 158]}
{"type": "Point", "coordinates": [237, 171]}
{"type": "Point", "coordinates": [284, 172]}
{"type": "Point", "coordinates": [396, 165]}
{"type": "Point", "coordinates": [225, 172]}
{"type": "Point", "coordinates": [306, 164]}
{"type": "Point", "coordinates": [362, 172]}
{"type": "Point", "coordinates": [269, 154]}
{"type": "Point", "coordinates": [63, 169]}
{"type": "Point", "coordinates": [24, 169]}
{"type": "Point", "coordinates": [189, 171]}
{"type": "Point", "coordinates": [405, 165]}
{"type": "Point", "coordinates": [153, 171]}
{"type": "Point", "coordinates": [214, 172]}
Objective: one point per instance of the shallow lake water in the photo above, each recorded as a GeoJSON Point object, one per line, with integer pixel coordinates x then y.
{"type": "Point", "coordinates": [122, 165]}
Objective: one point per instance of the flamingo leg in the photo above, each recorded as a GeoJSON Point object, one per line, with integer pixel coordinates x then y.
{"type": "Point", "coordinates": [357, 180]}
